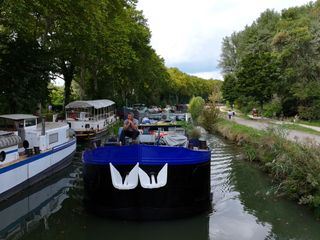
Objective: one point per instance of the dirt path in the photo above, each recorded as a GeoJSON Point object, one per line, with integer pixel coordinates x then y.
{"type": "Point", "coordinates": [292, 135]}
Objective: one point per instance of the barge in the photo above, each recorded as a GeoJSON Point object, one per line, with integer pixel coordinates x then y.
{"type": "Point", "coordinates": [159, 178]}
{"type": "Point", "coordinates": [90, 119]}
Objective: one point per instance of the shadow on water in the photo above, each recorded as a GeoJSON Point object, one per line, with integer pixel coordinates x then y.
{"type": "Point", "coordinates": [244, 208]}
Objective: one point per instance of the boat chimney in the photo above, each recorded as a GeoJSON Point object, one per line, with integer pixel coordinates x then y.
{"type": "Point", "coordinates": [43, 126]}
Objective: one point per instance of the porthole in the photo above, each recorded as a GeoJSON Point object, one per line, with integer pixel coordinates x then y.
{"type": "Point", "coordinates": [25, 144]}
{"type": "Point", "coordinates": [2, 156]}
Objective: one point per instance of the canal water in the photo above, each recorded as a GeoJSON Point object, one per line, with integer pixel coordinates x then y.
{"type": "Point", "coordinates": [244, 207]}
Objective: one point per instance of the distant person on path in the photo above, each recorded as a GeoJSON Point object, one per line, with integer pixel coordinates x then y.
{"type": "Point", "coordinates": [254, 112]}
{"type": "Point", "coordinates": [230, 114]}
{"type": "Point", "coordinates": [130, 128]}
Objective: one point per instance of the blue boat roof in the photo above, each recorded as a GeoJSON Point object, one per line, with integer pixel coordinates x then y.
{"type": "Point", "coordinates": [145, 155]}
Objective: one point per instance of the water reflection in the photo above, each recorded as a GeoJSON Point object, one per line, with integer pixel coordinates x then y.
{"type": "Point", "coordinates": [25, 212]}
{"type": "Point", "coordinates": [230, 220]}
{"type": "Point", "coordinates": [89, 227]}
{"type": "Point", "coordinates": [286, 219]}
{"type": "Point", "coordinates": [245, 206]}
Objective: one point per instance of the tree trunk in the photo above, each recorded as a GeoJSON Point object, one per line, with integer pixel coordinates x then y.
{"type": "Point", "coordinates": [67, 89]}
{"type": "Point", "coordinates": [68, 73]}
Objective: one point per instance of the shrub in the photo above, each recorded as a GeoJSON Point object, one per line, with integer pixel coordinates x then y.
{"type": "Point", "coordinates": [196, 106]}
{"type": "Point", "coordinates": [195, 133]}
{"type": "Point", "coordinates": [272, 109]}
{"type": "Point", "coordinates": [209, 117]}
{"type": "Point", "coordinates": [311, 112]}
{"type": "Point", "coordinates": [246, 104]}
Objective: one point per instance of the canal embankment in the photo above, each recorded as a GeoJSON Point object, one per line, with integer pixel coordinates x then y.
{"type": "Point", "coordinates": [294, 166]}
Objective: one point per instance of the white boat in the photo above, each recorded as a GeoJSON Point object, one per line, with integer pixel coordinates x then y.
{"type": "Point", "coordinates": [90, 118]}
{"type": "Point", "coordinates": [30, 152]}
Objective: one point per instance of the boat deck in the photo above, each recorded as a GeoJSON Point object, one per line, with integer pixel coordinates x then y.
{"type": "Point", "coordinates": [20, 159]}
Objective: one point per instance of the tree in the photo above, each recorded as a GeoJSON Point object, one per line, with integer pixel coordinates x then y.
{"type": "Point", "coordinates": [257, 77]}
{"type": "Point", "coordinates": [277, 55]}
{"type": "Point", "coordinates": [229, 89]}
{"type": "Point", "coordinates": [24, 75]}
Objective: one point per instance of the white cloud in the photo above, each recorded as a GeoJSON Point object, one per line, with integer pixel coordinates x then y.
{"type": "Point", "coordinates": [208, 75]}
{"type": "Point", "coordinates": [188, 33]}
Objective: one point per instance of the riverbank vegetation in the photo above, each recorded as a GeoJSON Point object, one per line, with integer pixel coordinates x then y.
{"type": "Point", "coordinates": [273, 64]}
{"type": "Point", "coordinates": [206, 114]}
{"type": "Point", "coordinates": [100, 49]}
{"type": "Point", "coordinates": [294, 167]}
{"type": "Point", "coordinates": [300, 128]}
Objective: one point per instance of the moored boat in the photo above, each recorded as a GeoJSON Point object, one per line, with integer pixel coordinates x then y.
{"type": "Point", "coordinates": [160, 178]}
{"type": "Point", "coordinates": [31, 152]}
{"type": "Point", "coordinates": [90, 119]}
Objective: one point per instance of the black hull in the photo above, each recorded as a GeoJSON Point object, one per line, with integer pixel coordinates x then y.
{"type": "Point", "coordinates": [37, 178]}
{"type": "Point", "coordinates": [91, 135]}
{"type": "Point", "coordinates": [186, 193]}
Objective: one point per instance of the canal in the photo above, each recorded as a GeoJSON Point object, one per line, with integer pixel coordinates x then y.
{"type": "Point", "coordinates": [244, 207]}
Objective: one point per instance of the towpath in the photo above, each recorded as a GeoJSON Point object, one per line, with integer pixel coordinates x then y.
{"type": "Point", "coordinates": [292, 135]}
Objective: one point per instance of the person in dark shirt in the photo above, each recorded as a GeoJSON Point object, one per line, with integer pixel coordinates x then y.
{"type": "Point", "coordinates": [130, 128]}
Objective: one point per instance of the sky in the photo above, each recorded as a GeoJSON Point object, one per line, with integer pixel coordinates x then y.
{"type": "Point", "coordinates": [188, 33]}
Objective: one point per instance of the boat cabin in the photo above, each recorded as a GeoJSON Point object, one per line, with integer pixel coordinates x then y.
{"type": "Point", "coordinates": [17, 122]}
{"type": "Point", "coordinates": [90, 117]}
{"type": "Point", "coordinates": [41, 136]}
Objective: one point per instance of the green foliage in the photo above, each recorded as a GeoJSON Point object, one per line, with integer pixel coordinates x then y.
{"type": "Point", "coordinates": [246, 104]}
{"type": "Point", "coordinates": [273, 108]}
{"type": "Point", "coordinates": [250, 151]}
{"type": "Point", "coordinates": [101, 48]}
{"type": "Point", "coordinates": [256, 77]}
{"type": "Point", "coordinates": [24, 74]}
{"type": "Point", "coordinates": [56, 95]}
{"type": "Point", "coordinates": [278, 54]}
{"type": "Point", "coordinates": [230, 88]}
{"type": "Point", "coordinates": [310, 110]}
{"type": "Point", "coordinates": [210, 114]}
{"type": "Point", "coordinates": [183, 86]}
{"type": "Point", "coordinates": [196, 106]}
{"type": "Point", "coordinates": [188, 126]}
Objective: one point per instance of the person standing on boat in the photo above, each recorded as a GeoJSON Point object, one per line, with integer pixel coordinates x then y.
{"type": "Point", "coordinates": [130, 128]}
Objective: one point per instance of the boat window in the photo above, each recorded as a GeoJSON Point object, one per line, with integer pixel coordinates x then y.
{"type": "Point", "coordinates": [7, 125]}
{"type": "Point", "coordinates": [73, 114]}
{"type": "Point", "coordinates": [3, 124]}
{"type": "Point", "coordinates": [53, 138]}
{"type": "Point", "coordinates": [30, 122]}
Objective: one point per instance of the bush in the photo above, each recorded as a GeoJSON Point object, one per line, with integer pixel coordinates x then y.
{"type": "Point", "coordinates": [209, 117]}
{"type": "Point", "coordinates": [311, 112]}
{"type": "Point", "coordinates": [246, 104]}
{"type": "Point", "coordinates": [196, 106]}
{"type": "Point", "coordinates": [272, 109]}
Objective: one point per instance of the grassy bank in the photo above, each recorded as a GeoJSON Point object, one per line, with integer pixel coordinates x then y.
{"type": "Point", "coordinates": [310, 123]}
{"type": "Point", "coordinates": [300, 128]}
{"type": "Point", "coordinates": [294, 167]}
